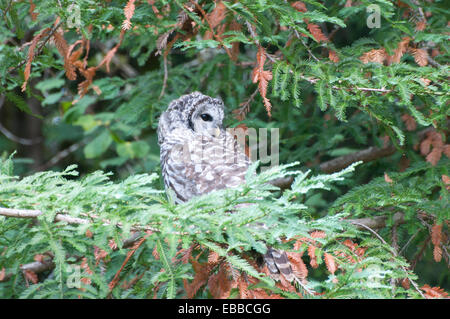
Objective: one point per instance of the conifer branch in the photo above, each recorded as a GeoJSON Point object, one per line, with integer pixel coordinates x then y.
{"type": "Point", "coordinates": [135, 247]}
{"type": "Point", "coordinates": [217, 36]}
{"type": "Point", "coordinates": [394, 253]}
{"type": "Point", "coordinates": [372, 222]}
{"type": "Point", "coordinates": [304, 44]}
{"type": "Point", "coordinates": [40, 48]}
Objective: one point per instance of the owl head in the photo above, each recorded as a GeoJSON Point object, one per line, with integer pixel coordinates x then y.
{"type": "Point", "coordinates": [201, 114]}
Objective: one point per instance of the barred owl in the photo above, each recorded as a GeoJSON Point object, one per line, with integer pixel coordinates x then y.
{"type": "Point", "coordinates": [198, 156]}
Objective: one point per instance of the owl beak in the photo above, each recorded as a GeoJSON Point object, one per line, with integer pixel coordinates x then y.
{"type": "Point", "coordinates": [216, 132]}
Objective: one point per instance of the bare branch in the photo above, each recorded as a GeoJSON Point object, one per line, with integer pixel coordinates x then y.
{"type": "Point", "coordinates": [282, 182]}
{"type": "Point", "coordinates": [367, 155]}
{"type": "Point", "coordinates": [377, 222]}
{"type": "Point", "coordinates": [244, 108]}
{"type": "Point", "coordinates": [165, 77]}
{"type": "Point", "coordinates": [11, 136]}
{"type": "Point", "coordinates": [29, 213]}
{"type": "Point", "coordinates": [304, 44]}
{"type": "Point", "coordinates": [38, 266]}
{"type": "Point", "coordinates": [126, 68]}
{"type": "Point", "coordinates": [60, 155]}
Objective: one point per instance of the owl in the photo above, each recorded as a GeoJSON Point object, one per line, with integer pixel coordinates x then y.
{"type": "Point", "coordinates": [198, 156]}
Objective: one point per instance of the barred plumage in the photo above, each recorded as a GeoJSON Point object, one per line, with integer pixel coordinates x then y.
{"type": "Point", "coordinates": [198, 156]}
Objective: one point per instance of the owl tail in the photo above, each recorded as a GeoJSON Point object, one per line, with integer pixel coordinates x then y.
{"type": "Point", "coordinates": [278, 263]}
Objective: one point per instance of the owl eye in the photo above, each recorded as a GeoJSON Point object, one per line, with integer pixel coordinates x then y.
{"type": "Point", "coordinates": [206, 117]}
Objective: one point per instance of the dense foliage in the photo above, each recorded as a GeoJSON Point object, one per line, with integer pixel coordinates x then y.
{"type": "Point", "coordinates": [344, 81]}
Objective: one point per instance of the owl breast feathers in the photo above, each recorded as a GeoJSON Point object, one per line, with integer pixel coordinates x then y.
{"type": "Point", "coordinates": [198, 156]}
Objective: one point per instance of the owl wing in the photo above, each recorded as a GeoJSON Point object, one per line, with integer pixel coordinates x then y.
{"type": "Point", "coordinates": [195, 165]}
{"type": "Point", "coordinates": [221, 164]}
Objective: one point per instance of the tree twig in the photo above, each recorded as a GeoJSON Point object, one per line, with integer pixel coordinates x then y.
{"type": "Point", "coordinates": [377, 222]}
{"type": "Point", "coordinates": [409, 241]}
{"type": "Point", "coordinates": [165, 77]}
{"type": "Point", "coordinates": [127, 69]}
{"type": "Point", "coordinates": [433, 62]}
{"type": "Point", "coordinates": [394, 253]}
{"type": "Point", "coordinates": [29, 213]}
{"type": "Point", "coordinates": [421, 251]}
{"type": "Point", "coordinates": [40, 48]}
{"type": "Point", "coordinates": [11, 136]}
{"type": "Point", "coordinates": [255, 39]}
{"type": "Point", "coordinates": [304, 44]}
{"type": "Point", "coordinates": [38, 267]}
{"type": "Point", "coordinates": [304, 287]}
{"type": "Point", "coordinates": [60, 155]}
{"type": "Point", "coordinates": [244, 108]}
{"type": "Point", "coordinates": [218, 37]}
{"type": "Point", "coordinates": [115, 280]}
{"type": "Point", "coordinates": [430, 229]}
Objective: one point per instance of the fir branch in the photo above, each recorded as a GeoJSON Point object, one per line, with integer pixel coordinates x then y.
{"type": "Point", "coordinates": [372, 222]}
{"type": "Point", "coordinates": [334, 87]}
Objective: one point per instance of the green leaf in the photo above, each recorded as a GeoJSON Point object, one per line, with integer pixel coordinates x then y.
{"type": "Point", "coordinates": [98, 145]}
{"type": "Point", "coordinates": [50, 83]}
{"type": "Point", "coordinates": [87, 122]}
{"type": "Point", "coordinates": [137, 149]}
{"type": "Point", "coordinates": [52, 98]}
